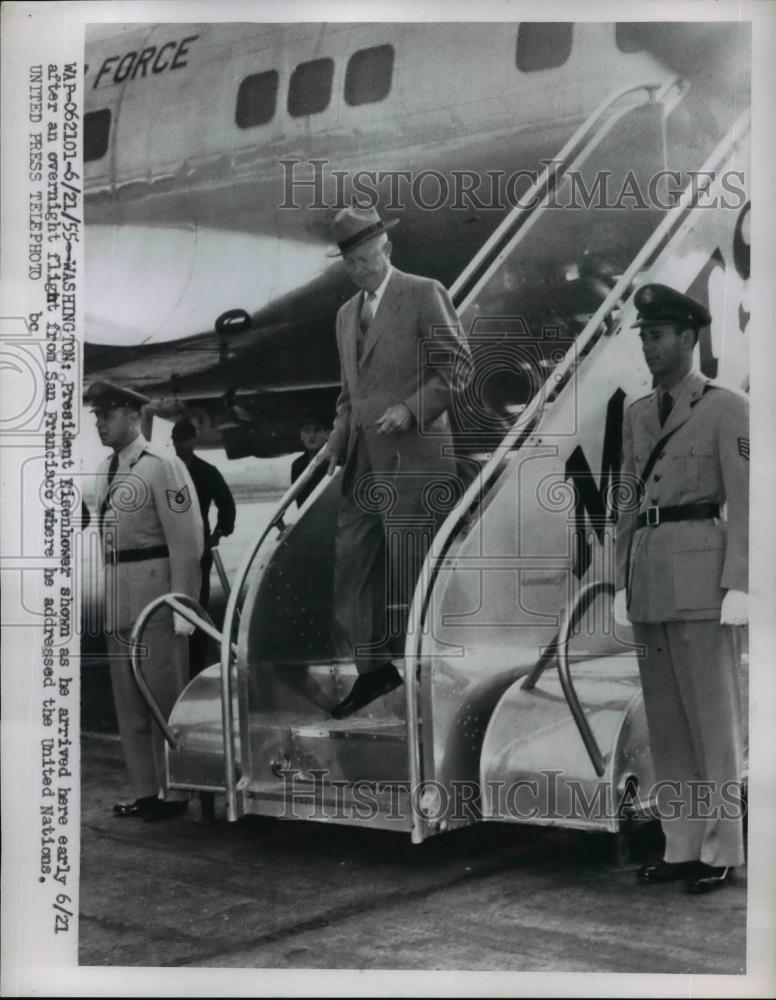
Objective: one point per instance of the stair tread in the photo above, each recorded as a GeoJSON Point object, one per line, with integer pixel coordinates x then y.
{"type": "Point", "coordinates": [382, 788]}
{"type": "Point", "coordinates": [393, 729]}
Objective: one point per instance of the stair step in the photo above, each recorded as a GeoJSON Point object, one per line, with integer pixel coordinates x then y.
{"type": "Point", "coordinates": [384, 805]}
{"type": "Point", "coordinates": [390, 730]}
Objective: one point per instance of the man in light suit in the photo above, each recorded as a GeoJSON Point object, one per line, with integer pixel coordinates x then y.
{"type": "Point", "coordinates": [151, 536]}
{"type": "Point", "coordinates": [682, 579]}
{"type": "Point", "coordinates": [403, 359]}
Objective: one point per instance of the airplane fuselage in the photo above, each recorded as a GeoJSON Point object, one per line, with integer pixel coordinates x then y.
{"type": "Point", "coordinates": [216, 156]}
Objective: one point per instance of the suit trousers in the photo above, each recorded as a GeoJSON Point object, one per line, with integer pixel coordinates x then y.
{"type": "Point", "coordinates": [165, 668]}
{"type": "Point", "coordinates": [690, 675]}
{"type": "Point", "coordinates": [384, 531]}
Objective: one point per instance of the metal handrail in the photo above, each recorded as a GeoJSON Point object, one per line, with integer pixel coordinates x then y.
{"type": "Point", "coordinates": [546, 658]}
{"type": "Point", "coordinates": [232, 612]}
{"type": "Point", "coordinates": [527, 419]}
{"type": "Point", "coordinates": [556, 168]}
{"type": "Point", "coordinates": [218, 562]}
{"type": "Point", "coordinates": [187, 608]}
{"type": "Point", "coordinates": [502, 239]}
{"type": "Point", "coordinates": [583, 601]}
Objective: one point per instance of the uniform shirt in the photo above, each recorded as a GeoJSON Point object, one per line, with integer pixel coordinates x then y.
{"type": "Point", "coordinates": [680, 570]}
{"type": "Point", "coordinates": [211, 488]}
{"type": "Point", "coordinates": [152, 502]}
{"type": "Point", "coordinates": [678, 393]}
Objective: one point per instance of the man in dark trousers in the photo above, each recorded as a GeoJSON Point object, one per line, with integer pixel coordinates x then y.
{"type": "Point", "coordinates": [151, 542]}
{"type": "Point", "coordinates": [211, 488]}
{"type": "Point", "coordinates": [682, 579]}
{"type": "Point", "coordinates": [403, 359]}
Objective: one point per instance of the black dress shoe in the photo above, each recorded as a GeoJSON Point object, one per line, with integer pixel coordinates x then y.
{"type": "Point", "coordinates": [665, 871]}
{"type": "Point", "coordinates": [138, 809]}
{"type": "Point", "coordinates": [162, 810]}
{"type": "Point", "coordinates": [367, 688]}
{"type": "Point", "coordinates": [708, 878]}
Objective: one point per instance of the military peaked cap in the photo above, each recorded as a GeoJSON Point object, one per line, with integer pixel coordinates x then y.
{"type": "Point", "coordinates": [661, 304]}
{"type": "Point", "coordinates": [107, 396]}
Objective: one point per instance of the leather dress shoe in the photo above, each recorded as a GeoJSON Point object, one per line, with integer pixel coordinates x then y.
{"type": "Point", "coordinates": [138, 809]}
{"type": "Point", "coordinates": [707, 879]}
{"type": "Point", "coordinates": [665, 871]}
{"type": "Point", "coordinates": [367, 688]}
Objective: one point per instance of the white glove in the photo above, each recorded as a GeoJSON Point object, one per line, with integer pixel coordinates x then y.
{"type": "Point", "coordinates": [620, 609]}
{"type": "Point", "coordinates": [735, 608]}
{"type": "Point", "coordinates": [181, 626]}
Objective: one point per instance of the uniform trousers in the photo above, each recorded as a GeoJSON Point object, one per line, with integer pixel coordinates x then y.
{"type": "Point", "coordinates": [692, 696]}
{"type": "Point", "coordinates": [385, 526]}
{"type": "Point", "coordinates": [165, 668]}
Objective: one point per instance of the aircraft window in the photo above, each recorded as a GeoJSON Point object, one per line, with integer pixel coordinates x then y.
{"type": "Point", "coordinates": [543, 45]}
{"type": "Point", "coordinates": [310, 89]}
{"type": "Point", "coordinates": [369, 74]}
{"type": "Point", "coordinates": [256, 99]}
{"type": "Point", "coordinates": [96, 134]}
{"type": "Point", "coordinates": [626, 36]}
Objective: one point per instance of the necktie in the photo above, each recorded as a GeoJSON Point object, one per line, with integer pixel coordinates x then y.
{"type": "Point", "coordinates": [367, 311]}
{"type": "Point", "coordinates": [666, 405]}
{"type": "Point", "coordinates": [112, 469]}
{"type": "Point", "coordinates": [365, 321]}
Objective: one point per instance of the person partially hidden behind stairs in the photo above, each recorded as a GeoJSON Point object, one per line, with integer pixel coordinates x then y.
{"type": "Point", "coordinates": [682, 579]}
{"type": "Point", "coordinates": [403, 360]}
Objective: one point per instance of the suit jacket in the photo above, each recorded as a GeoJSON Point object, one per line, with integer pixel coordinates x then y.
{"type": "Point", "coordinates": [211, 488]}
{"type": "Point", "coordinates": [413, 353]}
{"type": "Point", "coordinates": [681, 570]}
{"type": "Point", "coordinates": [152, 502]}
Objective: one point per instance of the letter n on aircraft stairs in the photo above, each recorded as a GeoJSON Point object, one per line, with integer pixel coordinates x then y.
{"type": "Point", "coordinates": [510, 568]}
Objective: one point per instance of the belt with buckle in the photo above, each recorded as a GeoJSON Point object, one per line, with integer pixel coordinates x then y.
{"type": "Point", "coordinates": [653, 516]}
{"type": "Point", "coordinates": [137, 555]}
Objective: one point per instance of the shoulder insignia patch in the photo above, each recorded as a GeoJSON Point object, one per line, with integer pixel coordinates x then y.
{"type": "Point", "coordinates": [743, 448]}
{"type": "Point", "coordinates": [179, 501]}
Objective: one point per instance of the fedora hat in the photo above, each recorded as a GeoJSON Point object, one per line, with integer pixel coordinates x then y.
{"type": "Point", "coordinates": [354, 226]}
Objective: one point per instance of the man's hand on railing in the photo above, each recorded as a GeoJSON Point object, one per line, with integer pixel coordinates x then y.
{"type": "Point", "coordinates": [330, 454]}
{"type": "Point", "coordinates": [181, 626]}
{"type": "Point", "coordinates": [620, 608]}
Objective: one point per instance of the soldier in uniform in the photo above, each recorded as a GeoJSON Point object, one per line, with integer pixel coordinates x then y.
{"type": "Point", "coordinates": [151, 535]}
{"type": "Point", "coordinates": [682, 579]}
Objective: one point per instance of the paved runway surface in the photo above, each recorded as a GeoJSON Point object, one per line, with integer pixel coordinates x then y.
{"type": "Point", "coordinates": [273, 894]}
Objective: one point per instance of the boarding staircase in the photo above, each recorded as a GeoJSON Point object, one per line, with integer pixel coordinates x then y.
{"type": "Point", "coordinates": [518, 564]}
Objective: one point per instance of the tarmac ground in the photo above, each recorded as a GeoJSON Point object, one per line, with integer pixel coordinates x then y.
{"type": "Point", "coordinates": [265, 893]}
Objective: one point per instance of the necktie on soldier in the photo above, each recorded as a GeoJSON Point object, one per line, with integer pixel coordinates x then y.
{"type": "Point", "coordinates": [112, 469]}
{"type": "Point", "coordinates": [666, 405]}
